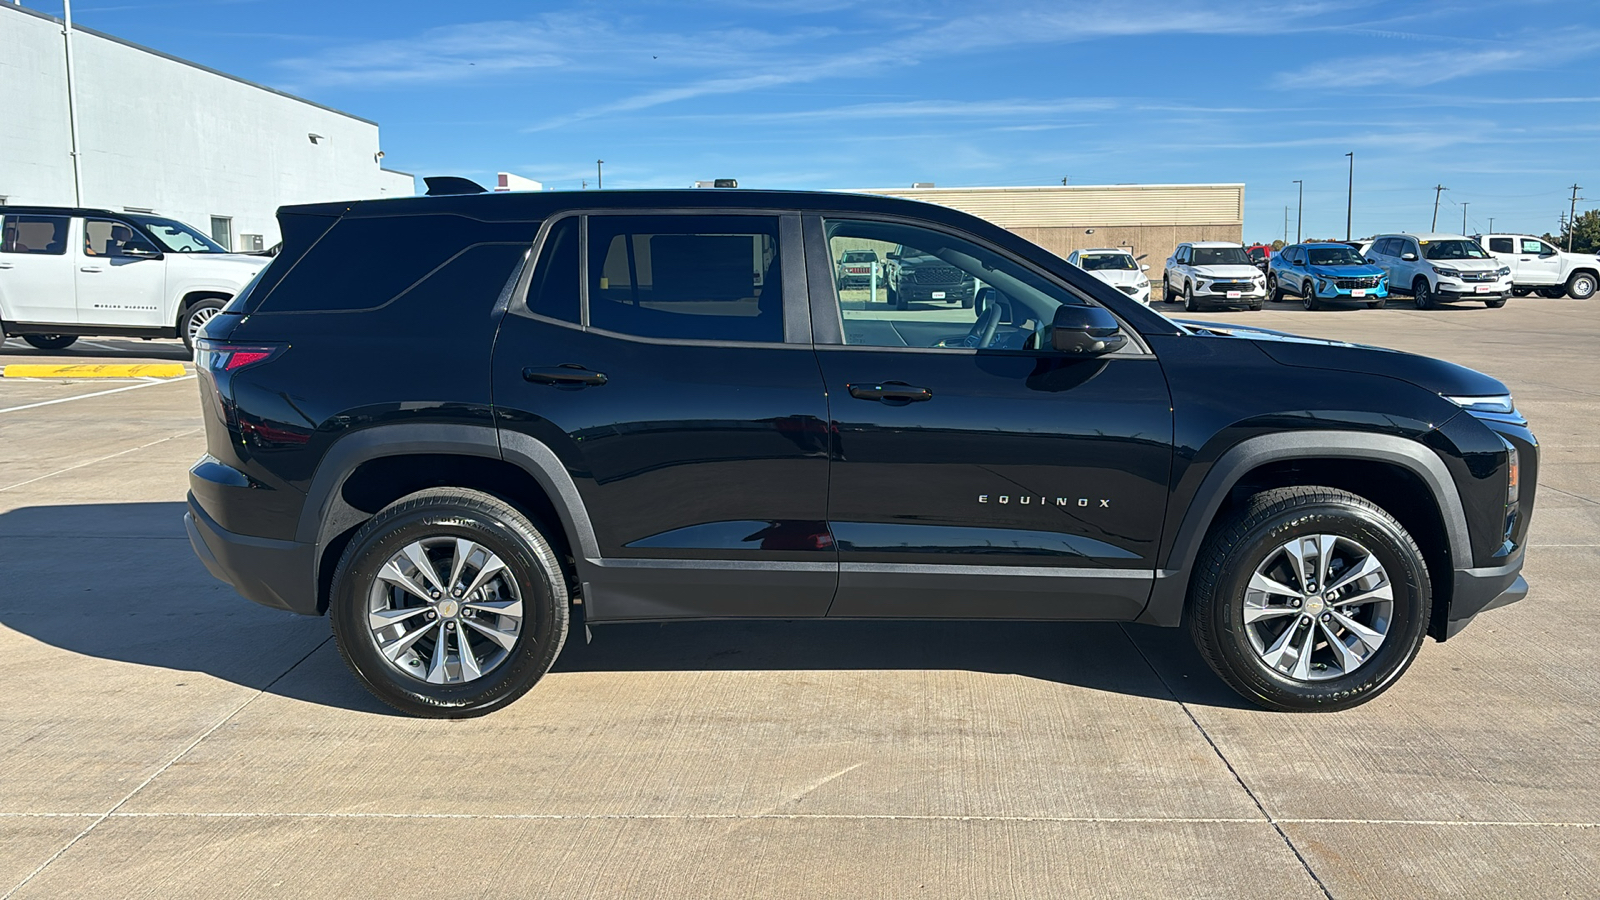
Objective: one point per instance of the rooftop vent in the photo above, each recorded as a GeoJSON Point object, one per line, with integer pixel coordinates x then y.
{"type": "Point", "coordinates": [921, 184]}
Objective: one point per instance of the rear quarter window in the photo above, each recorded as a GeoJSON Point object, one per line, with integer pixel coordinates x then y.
{"type": "Point", "coordinates": [364, 264]}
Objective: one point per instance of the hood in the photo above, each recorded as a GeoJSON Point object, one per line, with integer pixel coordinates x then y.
{"type": "Point", "coordinates": [1240, 272]}
{"type": "Point", "coordinates": [232, 261]}
{"type": "Point", "coordinates": [1432, 375]}
{"type": "Point", "coordinates": [1119, 276]}
{"type": "Point", "coordinates": [1344, 271]}
{"type": "Point", "coordinates": [1466, 265]}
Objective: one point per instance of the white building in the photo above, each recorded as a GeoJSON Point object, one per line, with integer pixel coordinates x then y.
{"type": "Point", "coordinates": [164, 135]}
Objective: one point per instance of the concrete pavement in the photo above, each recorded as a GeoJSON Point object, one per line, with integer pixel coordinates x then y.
{"type": "Point", "coordinates": [164, 738]}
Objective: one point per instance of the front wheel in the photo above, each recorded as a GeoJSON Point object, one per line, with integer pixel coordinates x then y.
{"type": "Point", "coordinates": [1189, 304]}
{"type": "Point", "coordinates": [51, 341]}
{"type": "Point", "coordinates": [1274, 292]}
{"type": "Point", "coordinates": [1581, 286]}
{"type": "Point", "coordinates": [1308, 296]}
{"type": "Point", "coordinates": [1375, 304]}
{"type": "Point", "coordinates": [1309, 599]}
{"type": "Point", "coordinates": [1422, 294]}
{"type": "Point", "coordinates": [448, 604]}
{"type": "Point", "coordinates": [1495, 304]}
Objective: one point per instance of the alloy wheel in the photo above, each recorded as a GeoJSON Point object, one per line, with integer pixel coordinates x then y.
{"type": "Point", "coordinates": [444, 610]}
{"type": "Point", "coordinates": [1318, 607]}
{"type": "Point", "coordinates": [198, 320]}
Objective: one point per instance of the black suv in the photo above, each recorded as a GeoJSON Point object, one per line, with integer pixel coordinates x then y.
{"type": "Point", "coordinates": [448, 421]}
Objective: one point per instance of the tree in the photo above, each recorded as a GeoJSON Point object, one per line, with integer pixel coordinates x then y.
{"type": "Point", "coordinates": [1585, 233]}
{"type": "Point", "coordinates": [1277, 245]}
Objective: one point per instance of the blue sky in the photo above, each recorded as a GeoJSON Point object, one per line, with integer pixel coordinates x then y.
{"type": "Point", "coordinates": [1500, 102]}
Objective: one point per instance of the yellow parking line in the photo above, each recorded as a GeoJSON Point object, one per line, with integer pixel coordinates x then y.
{"type": "Point", "coordinates": [137, 370]}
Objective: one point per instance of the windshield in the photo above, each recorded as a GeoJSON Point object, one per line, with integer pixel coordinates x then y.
{"type": "Point", "coordinates": [860, 256]}
{"type": "Point", "coordinates": [1335, 256]}
{"type": "Point", "coordinates": [1218, 256]}
{"type": "Point", "coordinates": [1453, 250]}
{"type": "Point", "coordinates": [176, 237]}
{"type": "Point", "coordinates": [1100, 262]}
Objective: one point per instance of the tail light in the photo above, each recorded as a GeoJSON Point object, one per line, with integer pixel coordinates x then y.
{"type": "Point", "coordinates": [220, 356]}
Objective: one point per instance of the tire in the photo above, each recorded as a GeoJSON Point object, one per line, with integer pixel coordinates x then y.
{"type": "Point", "coordinates": [1256, 540]}
{"type": "Point", "coordinates": [1422, 294]}
{"type": "Point", "coordinates": [1189, 304]}
{"type": "Point", "coordinates": [1256, 306]}
{"type": "Point", "coordinates": [1553, 293]}
{"type": "Point", "coordinates": [967, 303]}
{"type": "Point", "coordinates": [895, 300]}
{"type": "Point", "coordinates": [195, 318]}
{"type": "Point", "coordinates": [1166, 291]}
{"type": "Point", "coordinates": [1375, 304]}
{"type": "Point", "coordinates": [1495, 304]}
{"type": "Point", "coordinates": [1581, 286]}
{"type": "Point", "coordinates": [1308, 296]}
{"type": "Point", "coordinates": [51, 341]}
{"type": "Point", "coordinates": [431, 523]}
{"type": "Point", "coordinates": [1274, 291]}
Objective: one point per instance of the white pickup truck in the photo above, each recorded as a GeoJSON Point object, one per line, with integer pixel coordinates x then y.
{"type": "Point", "coordinates": [1537, 266]}
{"type": "Point", "coordinates": [66, 273]}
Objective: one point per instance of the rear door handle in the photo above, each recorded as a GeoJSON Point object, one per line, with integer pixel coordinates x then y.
{"type": "Point", "coordinates": [88, 268]}
{"type": "Point", "coordinates": [566, 375]}
{"type": "Point", "coordinates": [890, 392]}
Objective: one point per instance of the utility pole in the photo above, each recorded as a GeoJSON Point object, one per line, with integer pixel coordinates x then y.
{"type": "Point", "coordinates": [1491, 224]}
{"type": "Point", "coordinates": [1350, 199]}
{"type": "Point", "coordinates": [599, 175]}
{"type": "Point", "coordinates": [72, 106]}
{"type": "Point", "coordinates": [1464, 206]}
{"type": "Point", "coordinates": [1572, 215]}
{"type": "Point", "coordinates": [1437, 190]}
{"type": "Point", "coordinates": [1299, 213]}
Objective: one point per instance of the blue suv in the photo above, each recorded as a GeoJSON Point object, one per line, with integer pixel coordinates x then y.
{"type": "Point", "coordinates": [1320, 272]}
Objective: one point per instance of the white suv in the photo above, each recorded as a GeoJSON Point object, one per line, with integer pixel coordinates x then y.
{"type": "Point", "coordinates": [1213, 273]}
{"type": "Point", "coordinates": [1537, 266]}
{"type": "Point", "coordinates": [1435, 268]}
{"type": "Point", "coordinates": [66, 273]}
{"type": "Point", "coordinates": [1116, 267]}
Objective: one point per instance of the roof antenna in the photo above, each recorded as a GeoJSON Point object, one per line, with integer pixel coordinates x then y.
{"type": "Point", "coordinates": [440, 185]}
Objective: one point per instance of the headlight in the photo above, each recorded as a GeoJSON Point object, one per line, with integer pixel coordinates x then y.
{"type": "Point", "coordinates": [1492, 403]}
{"type": "Point", "coordinates": [1143, 283]}
{"type": "Point", "coordinates": [1504, 270]}
{"type": "Point", "coordinates": [1448, 272]}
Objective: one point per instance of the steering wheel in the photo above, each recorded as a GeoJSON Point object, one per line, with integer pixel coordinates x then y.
{"type": "Point", "coordinates": [983, 330]}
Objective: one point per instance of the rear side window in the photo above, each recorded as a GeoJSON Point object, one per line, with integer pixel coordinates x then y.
{"type": "Point", "coordinates": [34, 234]}
{"type": "Point", "coordinates": [555, 290]}
{"type": "Point", "coordinates": [689, 277]}
{"type": "Point", "coordinates": [366, 263]}
{"type": "Point", "coordinates": [1500, 245]}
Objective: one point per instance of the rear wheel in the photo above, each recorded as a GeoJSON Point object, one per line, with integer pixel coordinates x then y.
{"type": "Point", "coordinates": [1581, 286]}
{"type": "Point", "coordinates": [1422, 293]}
{"type": "Point", "coordinates": [449, 603]}
{"type": "Point", "coordinates": [51, 341]}
{"type": "Point", "coordinates": [1309, 598]}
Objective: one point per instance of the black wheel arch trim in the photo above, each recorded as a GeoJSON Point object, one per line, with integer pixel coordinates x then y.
{"type": "Point", "coordinates": [1172, 583]}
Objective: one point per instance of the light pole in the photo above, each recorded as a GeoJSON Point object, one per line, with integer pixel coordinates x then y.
{"type": "Point", "coordinates": [599, 175]}
{"type": "Point", "coordinates": [1299, 211]}
{"type": "Point", "coordinates": [1350, 198]}
{"type": "Point", "coordinates": [1437, 190]}
{"type": "Point", "coordinates": [1464, 206]}
{"type": "Point", "coordinates": [1572, 214]}
{"type": "Point", "coordinates": [1491, 224]}
{"type": "Point", "coordinates": [72, 105]}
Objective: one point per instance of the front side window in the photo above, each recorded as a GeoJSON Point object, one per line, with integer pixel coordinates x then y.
{"type": "Point", "coordinates": [941, 291]}
{"type": "Point", "coordinates": [1183, 256]}
{"type": "Point", "coordinates": [176, 237]}
{"type": "Point", "coordinates": [1535, 246]}
{"type": "Point", "coordinates": [1220, 256]}
{"type": "Point", "coordinates": [1456, 249]}
{"type": "Point", "coordinates": [106, 237]}
{"type": "Point", "coordinates": [34, 234]}
{"type": "Point", "coordinates": [690, 277]}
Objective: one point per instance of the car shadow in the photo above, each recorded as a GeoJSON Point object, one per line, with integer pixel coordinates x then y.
{"type": "Point", "coordinates": [119, 582]}
{"type": "Point", "coordinates": [130, 349]}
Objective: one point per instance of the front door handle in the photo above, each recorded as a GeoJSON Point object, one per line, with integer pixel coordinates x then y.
{"type": "Point", "coordinates": [5, 265]}
{"type": "Point", "coordinates": [566, 375]}
{"type": "Point", "coordinates": [890, 392]}
{"type": "Point", "coordinates": [88, 268]}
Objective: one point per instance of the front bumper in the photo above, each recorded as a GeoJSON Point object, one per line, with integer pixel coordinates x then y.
{"type": "Point", "coordinates": [925, 293]}
{"type": "Point", "coordinates": [1334, 292]}
{"type": "Point", "coordinates": [1480, 590]}
{"type": "Point", "coordinates": [1452, 289]}
{"type": "Point", "coordinates": [1212, 291]}
{"type": "Point", "coordinates": [279, 574]}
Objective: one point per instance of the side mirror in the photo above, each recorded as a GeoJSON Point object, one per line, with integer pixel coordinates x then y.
{"type": "Point", "coordinates": [891, 256]}
{"type": "Point", "coordinates": [139, 251]}
{"type": "Point", "coordinates": [1141, 256]}
{"type": "Point", "coordinates": [1144, 267]}
{"type": "Point", "coordinates": [1409, 257]}
{"type": "Point", "coordinates": [1085, 331]}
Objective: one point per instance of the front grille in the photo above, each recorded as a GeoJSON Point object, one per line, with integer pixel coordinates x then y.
{"type": "Point", "coordinates": [937, 275]}
{"type": "Point", "coordinates": [1479, 276]}
{"type": "Point", "coordinates": [1221, 286]}
{"type": "Point", "coordinates": [1370, 281]}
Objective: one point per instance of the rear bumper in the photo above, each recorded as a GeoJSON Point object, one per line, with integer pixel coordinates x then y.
{"type": "Point", "coordinates": [279, 574]}
{"type": "Point", "coordinates": [1480, 590]}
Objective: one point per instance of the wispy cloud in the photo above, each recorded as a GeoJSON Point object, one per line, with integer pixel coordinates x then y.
{"type": "Point", "coordinates": [1546, 50]}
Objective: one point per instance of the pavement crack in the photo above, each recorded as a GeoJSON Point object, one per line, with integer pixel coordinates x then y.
{"type": "Point", "coordinates": [1238, 779]}
{"type": "Point", "coordinates": [157, 773]}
